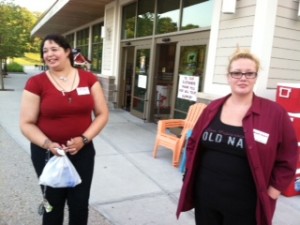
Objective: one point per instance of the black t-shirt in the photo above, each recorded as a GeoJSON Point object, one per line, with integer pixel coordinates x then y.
{"type": "Point", "coordinates": [224, 167]}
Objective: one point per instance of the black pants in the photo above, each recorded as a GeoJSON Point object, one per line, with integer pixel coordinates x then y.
{"type": "Point", "coordinates": [77, 198]}
{"type": "Point", "coordinates": [213, 216]}
{"type": "Point", "coordinates": [217, 202]}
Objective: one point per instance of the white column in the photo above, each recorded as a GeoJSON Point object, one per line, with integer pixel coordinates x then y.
{"type": "Point", "coordinates": [262, 42]}
{"type": "Point", "coordinates": [209, 87]}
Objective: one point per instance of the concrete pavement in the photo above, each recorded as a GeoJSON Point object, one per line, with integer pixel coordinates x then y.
{"type": "Point", "coordinates": [129, 186]}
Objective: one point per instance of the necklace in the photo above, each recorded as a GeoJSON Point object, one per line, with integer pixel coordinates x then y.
{"type": "Point", "coordinates": [64, 79]}
{"type": "Point", "coordinates": [63, 91]}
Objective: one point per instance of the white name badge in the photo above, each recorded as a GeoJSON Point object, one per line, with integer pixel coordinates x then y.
{"type": "Point", "coordinates": [83, 91]}
{"type": "Point", "coordinates": [260, 136]}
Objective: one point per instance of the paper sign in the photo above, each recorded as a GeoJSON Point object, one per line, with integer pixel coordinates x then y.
{"type": "Point", "coordinates": [188, 87]}
{"type": "Point", "coordinates": [142, 82]}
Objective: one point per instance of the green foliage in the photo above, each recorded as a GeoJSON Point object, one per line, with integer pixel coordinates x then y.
{"type": "Point", "coordinates": [15, 27]}
{"type": "Point", "coordinates": [165, 25]}
{"type": "Point", "coordinates": [130, 28]}
{"type": "Point", "coordinates": [14, 67]}
{"type": "Point", "coordinates": [189, 26]}
{"type": "Point", "coordinates": [145, 24]}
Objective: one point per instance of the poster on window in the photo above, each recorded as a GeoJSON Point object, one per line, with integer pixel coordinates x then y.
{"type": "Point", "coordinates": [188, 87]}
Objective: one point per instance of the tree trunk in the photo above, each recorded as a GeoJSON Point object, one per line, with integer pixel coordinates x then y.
{"type": "Point", "coordinates": [2, 75]}
{"type": "Point", "coordinates": [5, 67]}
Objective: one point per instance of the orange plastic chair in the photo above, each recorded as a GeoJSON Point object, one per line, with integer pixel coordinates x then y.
{"type": "Point", "coordinates": [171, 141]}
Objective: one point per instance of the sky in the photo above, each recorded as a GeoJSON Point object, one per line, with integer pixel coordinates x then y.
{"type": "Point", "coordinates": [35, 5]}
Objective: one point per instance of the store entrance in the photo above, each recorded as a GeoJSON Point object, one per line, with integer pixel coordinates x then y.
{"type": "Point", "coordinates": [163, 81]}
{"type": "Point", "coordinates": [151, 84]}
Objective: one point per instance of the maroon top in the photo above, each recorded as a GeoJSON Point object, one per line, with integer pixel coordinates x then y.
{"type": "Point", "coordinates": [63, 116]}
{"type": "Point", "coordinates": [271, 146]}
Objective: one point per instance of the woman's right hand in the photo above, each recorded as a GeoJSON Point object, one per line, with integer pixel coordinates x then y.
{"type": "Point", "coordinates": [273, 192]}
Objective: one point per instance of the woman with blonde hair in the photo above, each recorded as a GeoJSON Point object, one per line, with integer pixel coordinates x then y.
{"type": "Point", "coordinates": [242, 154]}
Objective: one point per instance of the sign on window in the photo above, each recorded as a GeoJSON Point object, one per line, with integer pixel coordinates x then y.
{"type": "Point", "coordinates": [188, 87]}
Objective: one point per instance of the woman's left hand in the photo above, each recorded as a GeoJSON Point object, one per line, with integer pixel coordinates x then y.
{"type": "Point", "coordinates": [74, 145]}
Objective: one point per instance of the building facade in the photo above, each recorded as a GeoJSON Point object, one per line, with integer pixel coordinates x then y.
{"type": "Point", "coordinates": [155, 58]}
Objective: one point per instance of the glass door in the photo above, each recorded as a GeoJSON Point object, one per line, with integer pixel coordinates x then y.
{"type": "Point", "coordinates": [140, 101]}
{"type": "Point", "coordinates": [190, 77]}
{"type": "Point", "coordinates": [163, 80]}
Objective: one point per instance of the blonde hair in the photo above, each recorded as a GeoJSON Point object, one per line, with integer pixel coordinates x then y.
{"type": "Point", "coordinates": [243, 54]}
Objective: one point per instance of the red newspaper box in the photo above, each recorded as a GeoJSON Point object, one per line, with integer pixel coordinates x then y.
{"type": "Point", "coordinates": [288, 95]}
{"type": "Point", "coordinates": [294, 188]}
{"type": "Point", "coordinates": [295, 118]}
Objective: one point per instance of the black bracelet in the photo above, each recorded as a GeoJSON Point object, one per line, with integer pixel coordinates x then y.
{"type": "Point", "coordinates": [85, 140]}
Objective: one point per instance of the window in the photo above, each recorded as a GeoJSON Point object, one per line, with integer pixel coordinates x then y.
{"type": "Point", "coordinates": [97, 45]}
{"type": "Point", "coordinates": [70, 39]}
{"type": "Point", "coordinates": [145, 18]}
{"type": "Point", "coordinates": [203, 10]}
{"type": "Point", "coordinates": [83, 41]}
{"type": "Point", "coordinates": [128, 21]}
{"type": "Point", "coordinates": [167, 16]}
{"type": "Point", "coordinates": [191, 63]}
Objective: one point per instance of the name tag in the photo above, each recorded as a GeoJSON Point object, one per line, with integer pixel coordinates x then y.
{"type": "Point", "coordinates": [83, 91]}
{"type": "Point", "coordinates": [260, 136]}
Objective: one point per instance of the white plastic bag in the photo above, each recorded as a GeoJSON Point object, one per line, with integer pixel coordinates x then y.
{"type": "Point", "coordinates": [59, 172]}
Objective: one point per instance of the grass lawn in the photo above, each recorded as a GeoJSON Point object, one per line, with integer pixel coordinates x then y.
{"type": "Point", "coordinates": [29, 59]}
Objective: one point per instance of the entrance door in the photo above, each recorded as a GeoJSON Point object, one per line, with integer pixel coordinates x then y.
{"type": "Point", "coordinates": [140, 103]}
{"type": "Point", "coordinates": [163, 81]}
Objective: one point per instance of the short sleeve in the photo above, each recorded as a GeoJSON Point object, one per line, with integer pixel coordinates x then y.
{"type": "Point", "coordinates": [89, 77]}
{"type": "Point", "coordinates": [34, 84]}
{"type": "Point", "coordinates": [93, 79]}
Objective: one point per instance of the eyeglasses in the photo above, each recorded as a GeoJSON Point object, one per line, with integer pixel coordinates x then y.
{"type": "Point", "coordinates": [238, 75]}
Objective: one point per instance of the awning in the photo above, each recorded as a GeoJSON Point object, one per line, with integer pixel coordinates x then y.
{"type": "Point", "coordinates": [66, 15]}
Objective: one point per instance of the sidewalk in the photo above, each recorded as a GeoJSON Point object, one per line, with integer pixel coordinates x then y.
{"type": "Point", "coordinates": [129, 186]}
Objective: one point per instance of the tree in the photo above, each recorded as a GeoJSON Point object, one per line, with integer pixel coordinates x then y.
{"type": "Point", "coordinates": [166, 25]}
{"type": "Point", "coordinates": [16, 24]}
{"type": "Point", "coordinates": [145, 24]}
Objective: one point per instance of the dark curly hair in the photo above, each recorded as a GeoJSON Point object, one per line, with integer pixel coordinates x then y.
{"type": "Point", "coordinates": [61, 41]}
